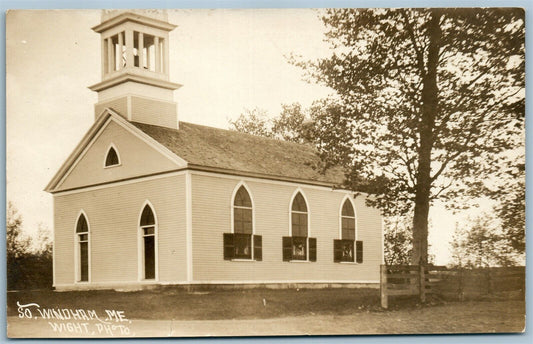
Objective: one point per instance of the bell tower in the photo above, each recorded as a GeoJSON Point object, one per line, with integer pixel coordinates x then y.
{"type": "Point", "coordinates": [135, 67]}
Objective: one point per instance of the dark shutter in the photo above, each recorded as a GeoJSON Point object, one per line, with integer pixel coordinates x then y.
{"type": "Point", "coordinates": [337, 250]}
{"type": "Point", "coordinates": [287, 249]}
{"type": "Point", "coordinates": [229, 249]}
{"type": "Point", "coordinates": [359, 251]}
{"type": "Point", "coordinates": [258, 247]}
{"type": "Point", "coordinates": [312, 249]}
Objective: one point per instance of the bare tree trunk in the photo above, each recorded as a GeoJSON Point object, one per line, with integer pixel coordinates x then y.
{"type": "Point", "coordinates": [425, 129]}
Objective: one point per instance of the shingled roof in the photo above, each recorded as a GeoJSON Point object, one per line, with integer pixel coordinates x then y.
{"type": "Point", "coordinates": [239, 152]}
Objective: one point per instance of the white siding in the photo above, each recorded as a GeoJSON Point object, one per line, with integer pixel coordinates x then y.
{"type": "Point", "coordinates": [211, 204]}
{"type": "Point", "coordinates": [113, 214]}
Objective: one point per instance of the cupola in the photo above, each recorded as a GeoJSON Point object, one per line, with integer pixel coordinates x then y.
{"type": "Point", "coordinates": [135, 67]}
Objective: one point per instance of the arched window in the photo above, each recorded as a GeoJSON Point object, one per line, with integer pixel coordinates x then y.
{"type": "Point", "coordinates": [343, 249]}
{"type": "Point", "coordinates": [299, 246]}
{"type": "Point", "coordinates": [242, 224]}
{"type": "Point", "coordinates": [148, 231]}
{"type": "Point", "coordinates": [242, 243]}
{"type": "Point", "coordinates": [111, 158]}
{"type": "Point", "coordinates": [82, 235]}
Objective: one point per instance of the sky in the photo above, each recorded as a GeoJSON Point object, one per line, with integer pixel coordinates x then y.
{"type": "Point", "coordinates": [226, 60]}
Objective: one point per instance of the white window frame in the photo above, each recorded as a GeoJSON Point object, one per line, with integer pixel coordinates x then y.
{"type": "Point", "coordinates": [77, 254]}
{"type": "Point", "coordinates": [235, 190]}
{"type": "Point", "coordinates": [299, 190]}
{"type": "Point", "coordinates": [140, 245]}
{"type": "Point", "coordinates": [112, 145]}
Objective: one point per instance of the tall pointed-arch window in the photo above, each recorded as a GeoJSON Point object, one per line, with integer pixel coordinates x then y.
{"type": "Point", "coordinates": [344, 249]}
{"type": "Point", "coordinates": [111, 158]}
{"type": "Point", "coordinates": [148, 231]}
{"type": "Point", "coordinates": [299, 246]}
{"type": "Point", "coordinates": [242, 243]}
{"type": "Point", "coordinates": [82, 236]}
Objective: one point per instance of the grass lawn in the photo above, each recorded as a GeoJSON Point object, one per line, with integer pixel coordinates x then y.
{"type": "Point", "coordinates": [327, 306]}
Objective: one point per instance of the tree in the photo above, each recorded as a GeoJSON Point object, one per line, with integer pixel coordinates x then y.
{"type": "Point", "coordinates": [17, 245]}
{"type": "Point", "coordinates": [432, 98]}
{"type": "Point", "coordinates": [511, 209]}
{"type": "Point", "coordinates": [482, 244]}
{"type": "Point", "coordinates": [27, 267]}
{"type": "Point", "coordinates": [254, 122]}
{"type": "Point", "coordinates": [398, 240]}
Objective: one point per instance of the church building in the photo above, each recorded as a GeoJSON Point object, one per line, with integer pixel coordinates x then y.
{"type": "Point", "coordinates": [145, 199]}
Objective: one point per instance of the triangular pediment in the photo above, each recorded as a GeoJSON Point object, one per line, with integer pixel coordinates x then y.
{"type": "Point", "coordinates": [139, 155]}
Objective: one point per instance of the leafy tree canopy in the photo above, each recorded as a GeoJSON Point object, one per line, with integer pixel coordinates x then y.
{"type": "Point", "coordinates": [432, 99]}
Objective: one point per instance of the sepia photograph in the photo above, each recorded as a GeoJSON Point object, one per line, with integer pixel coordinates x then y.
{"type": "Point", "coordinates": [265, 172]}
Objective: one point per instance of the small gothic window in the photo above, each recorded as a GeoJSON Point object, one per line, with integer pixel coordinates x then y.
{"type": "Point", "coordinates": [111, 158]}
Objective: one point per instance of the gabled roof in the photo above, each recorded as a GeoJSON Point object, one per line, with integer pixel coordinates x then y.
{"type": "Point", "coordinates": [232, 151]}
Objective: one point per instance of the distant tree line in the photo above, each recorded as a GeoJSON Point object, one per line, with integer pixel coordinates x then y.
{"type": "Point", "coordinates": [29, 260]}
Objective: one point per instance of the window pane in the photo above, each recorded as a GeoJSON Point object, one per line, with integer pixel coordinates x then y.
{"type": "Point", "coordinates": [299, 225]}
{"type": "Point", "coordinates": [348, 228]}
{"type": "Point", "coordinates": [84, 262]}
{"type": "Point", "coordinates": [242, 221]}
{"type": "Point", "coordinates": [299, 248]}
{"type": "Point", "coordinates": [298, 204]}
{"type": "Point", "coordinates": [112, 157]}
{"type": "Point", "coordinates": [84, 237]}
{"type": "Point", "coordinates": [82, 226]}
{"type": "Point", "coordinates": [347, 251]}
{"type": "Point", "coordinates": [147, 217]}
{"type": "Point", "coordinates": [243, 246]}
{"type": "Point", "coordinates": [149, 257]}
{"type": "Point", "coordinates": [242, 198]}
{"type": "Point", "coordinates": [149, 231]}
{"type": "Point", "coordinates": [347, 209]}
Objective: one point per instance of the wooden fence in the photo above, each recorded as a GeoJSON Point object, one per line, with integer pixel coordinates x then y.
{"type": "Point", "coordinates": [449, 283]}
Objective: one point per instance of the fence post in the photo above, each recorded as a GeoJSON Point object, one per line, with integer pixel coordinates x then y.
{"type": "Point", "coordinates": [383, 287]}
{"type": "Point", "coordinates": [489, 281]}
{"type": "Point", "coordinates": [422, 282]}
{"type": "Point", "coordinates": [461, 284]}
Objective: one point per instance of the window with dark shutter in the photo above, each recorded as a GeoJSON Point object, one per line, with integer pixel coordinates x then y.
{"type": "Point", "coordinates": [111, 158]}
{"type": "Point", "coordinates": [229, 249]}
{"type": "Point", "coordinates": [287, 248]}
{"type": "Point", "coordinates": [359, 251]}
{"type": "Point", "coordinates": [242, 225]}
{"type": "Point", "coordinates": [312, 249]}
{"type": "Point", "coordinates": [343, 250]}
{"type": "Point", "coordinates": [258, 247]}
{"type": "Point", "coordinates": [299, 229]}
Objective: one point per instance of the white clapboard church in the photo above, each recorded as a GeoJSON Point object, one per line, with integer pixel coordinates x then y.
{"type": "Point", "coordinates": [145, 199]}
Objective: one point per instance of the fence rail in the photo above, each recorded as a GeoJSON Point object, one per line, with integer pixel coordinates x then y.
{"type": "Point", "coordinates": [406, 280]}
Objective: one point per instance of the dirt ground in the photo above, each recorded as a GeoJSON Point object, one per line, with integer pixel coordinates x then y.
{"type": "Point", "coordinates": [453, 317]}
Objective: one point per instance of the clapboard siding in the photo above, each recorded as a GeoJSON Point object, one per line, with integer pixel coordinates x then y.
{"type": "Point", "coordinates": [113, 215]}
{"type": "Point", "coordinates": [143, 111]}
{"type": "Point", "coordinates": [119, 105]}
{"type": "Point", "coordinates": [137, 158]}
{"type": "Point", "coordinates": [211, 204]}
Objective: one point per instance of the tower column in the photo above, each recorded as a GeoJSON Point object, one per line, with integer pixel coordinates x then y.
{"type": "Point", "coordinates": [129, 48]}
{"type": "Point", "coordinates": [157, 55]}
{"type": "Point", "coordinates": [141, 50]}
{"type": "Point", "coordinates": [119, 55]}
{"type": "Point", "coordinates": [110, 56]}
